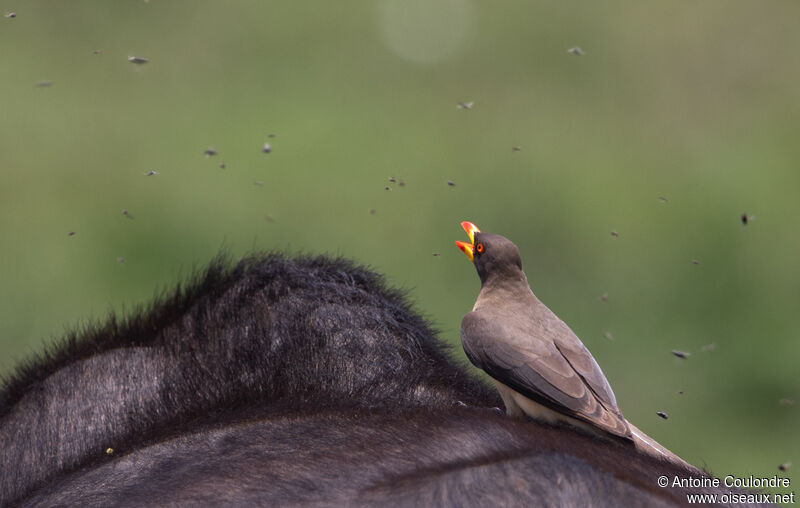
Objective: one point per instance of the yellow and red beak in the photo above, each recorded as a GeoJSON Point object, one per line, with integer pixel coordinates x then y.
{"type": "Point", "coordinates": [467, 248]}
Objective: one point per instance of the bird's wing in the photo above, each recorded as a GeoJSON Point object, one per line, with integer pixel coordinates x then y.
{"type": "Point", "coordinates": [560, 374]}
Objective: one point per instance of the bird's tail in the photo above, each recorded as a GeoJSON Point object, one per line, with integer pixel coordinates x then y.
{"type": "Point", "coordinates": [647, 445]}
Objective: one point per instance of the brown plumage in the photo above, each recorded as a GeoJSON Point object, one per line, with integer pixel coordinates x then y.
{"type": "Point", "coordinates": [540, 366]}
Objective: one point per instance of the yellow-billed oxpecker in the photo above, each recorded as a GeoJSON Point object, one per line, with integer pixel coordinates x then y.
{"type": "Point", "coordinates": [540, 367]}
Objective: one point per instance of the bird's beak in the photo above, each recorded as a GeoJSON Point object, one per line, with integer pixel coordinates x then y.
{"type": "Point", "coordinates": [471, 229]}
{"type": "Point", "coordinates": [465, 247]}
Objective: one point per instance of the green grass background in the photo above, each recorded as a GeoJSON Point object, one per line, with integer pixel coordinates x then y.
{"type": "Point", "coordinates": [696, 102]}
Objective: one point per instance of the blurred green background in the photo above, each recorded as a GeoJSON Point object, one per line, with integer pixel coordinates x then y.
{"type": "Point", "coordinates": [680, 117]}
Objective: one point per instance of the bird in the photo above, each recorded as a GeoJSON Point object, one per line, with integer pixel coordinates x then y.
{"type": "Point", "coordinates": [540, 367]}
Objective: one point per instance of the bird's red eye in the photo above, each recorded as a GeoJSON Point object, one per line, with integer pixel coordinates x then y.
{"type": "Point", "coordinates": [479, 248]}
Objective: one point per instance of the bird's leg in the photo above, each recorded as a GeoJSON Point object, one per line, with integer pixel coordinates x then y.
{"type": "Point", "coordinates": [512, 408]}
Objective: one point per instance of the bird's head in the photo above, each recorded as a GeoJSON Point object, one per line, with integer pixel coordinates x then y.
{"type": "Point", "coordinates": [492, 255]}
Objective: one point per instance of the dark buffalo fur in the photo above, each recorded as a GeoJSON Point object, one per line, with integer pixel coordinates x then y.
{"type": "Point", "coordinates": [459, 457]}
{"type": "Point", "coordinates": [287, 381]}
